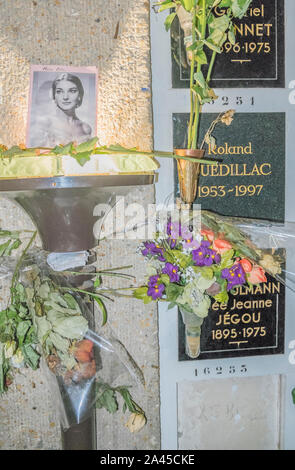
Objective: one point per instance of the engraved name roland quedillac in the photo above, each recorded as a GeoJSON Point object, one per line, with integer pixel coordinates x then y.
{"type": "Point", "coordinates": [234, 169]}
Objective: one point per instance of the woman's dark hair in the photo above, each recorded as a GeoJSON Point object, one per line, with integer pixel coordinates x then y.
{"type": "Point", "coordinates": [71, 78]}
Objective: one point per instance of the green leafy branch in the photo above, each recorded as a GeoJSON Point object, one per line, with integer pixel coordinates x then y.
{"type": "Point", "coordinates": [106, 397]}
{"type": "Point", "coordinates": [82, 153]}
{"type": "Point", "coordinates": [12, 243]}
{"type": "Point", "coordinates": [208, 34]}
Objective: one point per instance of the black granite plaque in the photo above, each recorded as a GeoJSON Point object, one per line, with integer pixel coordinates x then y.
{"type": "Point", "coordinates": [257, 58]}
{"type": "Point", "coordinates": [248, 182]}
{"type": "Point", "coordinates": [252, 323]}
{"type": "Point", "coordinates": [250, 178]}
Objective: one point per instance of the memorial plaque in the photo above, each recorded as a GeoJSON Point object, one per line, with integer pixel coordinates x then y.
{"type": "Point", "coordinates": [250, 178]}
{"type": "Point", "coordinates": [252, 323]}
{"type": "Point", "coordinates": [248, 182]}
{"type": "Point", "coordinates": [257, 58]}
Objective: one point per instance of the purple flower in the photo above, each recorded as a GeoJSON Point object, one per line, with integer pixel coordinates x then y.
{"type": "Point", "coordinates": [234, 275]}
{"type": "Point", "coordinates": [205, 256]}
{"type": "Point", "coordinates": [175, 229]}
{"type": "Point", "coordinates": [190, 243]}
{"type": "Point", "coordinates": [187, 236]}
{"type": "Point", "coordinates": [171, 242]}
{"type": "Point", "coordinates": [153, 280]}
{"type": "Point", "coordinates": [172, 271]}
{"type": "Point", "coordinates": [149, 248]}
{"type": "Point", "coordinates": [155, 290]}
{"type": "Point", "coordinates": [154, 250]}
{"type": "Point", "coordinates": [186, 233]}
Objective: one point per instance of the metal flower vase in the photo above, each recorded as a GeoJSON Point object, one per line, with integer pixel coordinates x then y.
{"type": "Point", "coordinates": [188, 173]}
{"type": "Point", "coordinates": [192, 325]}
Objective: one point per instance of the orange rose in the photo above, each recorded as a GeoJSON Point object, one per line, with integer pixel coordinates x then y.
{"type": "Point", "coordinates": [84, 351]}
{"type": "Point", "coordinates": [257, 275]}
{"type": "Point", "coordinates": [246, 265]}
{"type": "Point", "coordinates": [208, 233]}
{"type": "Point", "coordinates": [221, 246]}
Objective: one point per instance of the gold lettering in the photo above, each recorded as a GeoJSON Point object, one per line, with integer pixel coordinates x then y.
{"type": "Point", "coordinates": [236, 169]}
{"type": "Point", "coordinates": [268, 165]}
{"type": "Point", "coordinates": [264, 288]}
{"type": "Point", "coordinates": [230, 149]}
{"type": "Point", "coordinates": [246, 318]}
{"type": "Point", "coordinates": [258, 29]}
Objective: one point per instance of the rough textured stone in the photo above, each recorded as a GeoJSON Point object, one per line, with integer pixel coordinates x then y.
{"type": "Point", "coordinates": [114, 36]}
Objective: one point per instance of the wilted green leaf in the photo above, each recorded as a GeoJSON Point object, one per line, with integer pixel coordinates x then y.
{"type": "Point", "coordinates": [21, 330]}
{"type": "Point", "coordinates": [72, 327]}
{"type": "Point", "coordinates": [212, 46]}
{"type": "Point", "coordinates": [44, 290]}
{"type": "Point", "coordinates": [71, 302]}
{"type": "Point", "coordinates": [61, 344]}
{"type": "Point", "coordinates": [43, 327]}
{"type": "Point", "coordinates": [62, 150]}
{"type": "Point", "coordinates": [30, 355]}
{"type": "Point", "coordinates": [201, 57]}
{"type": "Point", "coordinates": [106, 398]}
{"type": "Point", "coordinates": [82, 157]}
{"type": "Point", "coordinates": [240, 7]}
{"type": "Point", "coordinates": [169, 20]}
{"type": "Point", "coordinates": [88, 146]}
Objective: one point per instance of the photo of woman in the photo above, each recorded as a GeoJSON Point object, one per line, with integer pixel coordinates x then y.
{"type": "Point", "coordinates": [62, 106]}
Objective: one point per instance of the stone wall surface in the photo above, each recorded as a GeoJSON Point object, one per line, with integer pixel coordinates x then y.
{"type": "Point", "coordinates": [114, 36]}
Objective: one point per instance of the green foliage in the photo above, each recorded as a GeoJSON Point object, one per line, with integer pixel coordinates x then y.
{"type": "Point", "coordinates": [173, 291]}
{"type": "Point", "coordinates": [16, 328]}
{"type": "Point", "coordinates": [177, 257]}
{"type": "Point", "coordinates": [209, 32]}
{"type": "Point", "coordinates": [169, 20]}
{"type": "Point", "coordinates": [106, 397]}
{"type": "Point", "coordinates": [141, 294]}
{"type": "Point", "coordinates": [227, 259]}
{"type": "Point", "coordinates": [102, 309]}
{"type": "Point", "coordinates": [222, 297]}
{"type": "Point", "coordinates": [12, 243]}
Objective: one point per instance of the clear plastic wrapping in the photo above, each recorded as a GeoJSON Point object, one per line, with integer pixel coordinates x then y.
{"type": "Point", "coordinates": [83, 368]}
{"type": "Point", "coordinates": [269, 244]}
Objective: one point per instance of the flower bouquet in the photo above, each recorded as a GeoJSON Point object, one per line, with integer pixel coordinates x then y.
{"type": "Point", "coordinates": [190, 262]}
{"type": "Point", "coordinates": [48, 324]}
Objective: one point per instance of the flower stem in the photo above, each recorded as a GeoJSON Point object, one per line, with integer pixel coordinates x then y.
{"type": "Point", "coordinates": [194, 142]}
{"type": "Point", "coordinates": [192, 78]}
{"type": "Point", "coordinates": [18, 266]}
{"type": "Point", "coordinates": [212, 61]}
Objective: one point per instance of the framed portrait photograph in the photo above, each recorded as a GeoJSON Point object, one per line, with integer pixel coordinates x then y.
{"type": "Point", "coordinates": [62, 105]}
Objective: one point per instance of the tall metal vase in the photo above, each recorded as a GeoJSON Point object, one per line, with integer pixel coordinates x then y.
{"type": "Point", "coordinates": [188, 174]}
{"type": "Point", "coordinates": [192, 325]}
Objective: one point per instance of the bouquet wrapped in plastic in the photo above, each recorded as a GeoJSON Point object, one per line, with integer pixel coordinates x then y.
{"type": "Point", "coordinates": [49, 324]}
{"type": "Point", "coordinates": [197, 257]}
